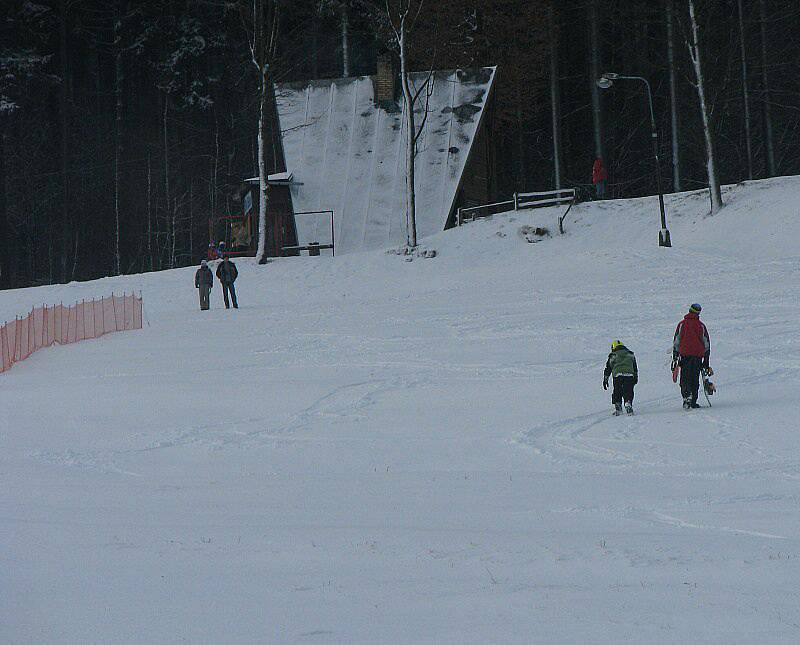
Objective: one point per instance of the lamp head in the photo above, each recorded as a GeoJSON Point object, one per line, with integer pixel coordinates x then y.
{"type": "Point", "coordinates": [607, 80]}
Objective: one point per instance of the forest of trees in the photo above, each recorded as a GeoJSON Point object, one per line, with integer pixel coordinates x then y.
{"type": "Point", "coordinates": [125, 124]}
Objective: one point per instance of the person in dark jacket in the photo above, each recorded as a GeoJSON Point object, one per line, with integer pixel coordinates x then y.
{"type": "Point", "coordinates": [691, 349]}
{"type": "Point", "coordinates": [599, 178]}
{"type": "Point", "coordinates": [621, 364]}
{"type": "Point", "coordinates": [204, 282]}
{"type": "Point", "coordinates": [227, 274]}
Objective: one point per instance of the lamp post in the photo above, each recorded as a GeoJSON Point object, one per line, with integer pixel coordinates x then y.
{"type": "Point", "coordinates": [605, 82]}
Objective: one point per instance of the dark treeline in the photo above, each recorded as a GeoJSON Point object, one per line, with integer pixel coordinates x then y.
{"type": "Point", "coordinates": [125, 124]}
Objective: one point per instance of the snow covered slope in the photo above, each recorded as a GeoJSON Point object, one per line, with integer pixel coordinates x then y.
{"type": "Point", "coordinates": [372, 450]}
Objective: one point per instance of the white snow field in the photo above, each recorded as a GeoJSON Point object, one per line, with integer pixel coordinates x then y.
{"type": "Point", "coordinates": [373, 450]}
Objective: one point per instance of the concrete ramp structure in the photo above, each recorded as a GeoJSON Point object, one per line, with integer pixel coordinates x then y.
{"type": "Point", "coordinates": [345, 151]}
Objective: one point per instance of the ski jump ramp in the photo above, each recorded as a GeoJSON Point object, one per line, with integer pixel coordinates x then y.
{"type": "Point", "coordinates": [347, 154]}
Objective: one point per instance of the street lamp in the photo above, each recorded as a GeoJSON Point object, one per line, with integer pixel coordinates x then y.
{"type": "Point", "coordinates": [604, 83]}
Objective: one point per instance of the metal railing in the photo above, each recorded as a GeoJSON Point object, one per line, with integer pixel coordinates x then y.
{"type": "Point", "coordinates": [522, 201]}
{"type": "Point", "coordinates": [471, 213]}
{"type": "Point", "coordinates": [314, 248]}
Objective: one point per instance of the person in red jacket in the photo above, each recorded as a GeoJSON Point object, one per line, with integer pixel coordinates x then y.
{"type": "Point", "coordinates": [691, 349]}
{"type": "Point", "coordinates": [599, 177]}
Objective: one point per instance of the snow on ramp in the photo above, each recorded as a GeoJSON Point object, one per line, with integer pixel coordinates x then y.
{"type": "Point", "coordinates": [346, 154]}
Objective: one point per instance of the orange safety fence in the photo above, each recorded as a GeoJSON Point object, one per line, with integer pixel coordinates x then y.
{"type": "Point", "coordinates": [45, 326]}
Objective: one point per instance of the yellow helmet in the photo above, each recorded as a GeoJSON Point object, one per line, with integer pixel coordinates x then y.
{"type": "Point", "coordinates": [616, 345]}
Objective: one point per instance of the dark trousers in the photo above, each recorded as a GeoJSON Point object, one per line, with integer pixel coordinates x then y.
{"type": "Point", "coordinates": [690, 377]}
{"type": "Point", "coordinates": [600, 189]}
{"type": "Point", "coordinates": [205, 290]}
{"type": "Point", "coordinates": [623, 390]}
{"type": "Point", "coordinates": [226, 287]}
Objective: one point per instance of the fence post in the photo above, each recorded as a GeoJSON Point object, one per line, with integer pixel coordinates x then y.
{"type": "Point", "coordinates": [516, 202]}
{"type": "Point", "coordinates": [114, 307]}
{"type": "Point", "coordinates": [32, 331]}
{"type": "Point", "coordinates": [333, 236]}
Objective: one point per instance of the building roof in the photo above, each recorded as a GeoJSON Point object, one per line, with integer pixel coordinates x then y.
{"type": "Point", "coordinates": [346, 154]}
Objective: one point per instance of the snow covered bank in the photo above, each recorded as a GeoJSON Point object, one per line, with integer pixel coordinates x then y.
{"type": "Point", "coordinates": [378, 450]}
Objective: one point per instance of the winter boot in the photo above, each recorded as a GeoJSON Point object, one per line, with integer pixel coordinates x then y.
{"type": "Point", "coordinates": [629, 408]}
{"type": "Point", "coordinates": [617, 409]}
{"type": "Point", "coordinates": [687, 403]}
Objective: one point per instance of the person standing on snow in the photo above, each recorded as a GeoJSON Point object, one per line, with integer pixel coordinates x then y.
{"type": "Point", "coordinates": [227, 274]}
{"type": "Point", "coordinates": [622, 364]}
{"type": "Point", "coordinates": [204, 282]}
{"type": "Point", "coordinates": [599, 178]}
{"type": "Point", "coordinates": [691, 349]}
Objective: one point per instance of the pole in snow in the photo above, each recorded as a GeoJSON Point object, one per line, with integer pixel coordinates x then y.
{"type": "Point", "coordinates": [605, 82]}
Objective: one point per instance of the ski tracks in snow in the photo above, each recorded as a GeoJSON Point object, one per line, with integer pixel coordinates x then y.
{"type": "Point", "coordinates": [697, 444]}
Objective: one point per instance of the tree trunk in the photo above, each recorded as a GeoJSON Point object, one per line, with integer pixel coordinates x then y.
{"type": "Point", "coordinates": [345, 42]}
{"type": "Point", "coordinates": [167, 196]}
{"type": "Point", "coordinates": [411, 131]}
{"type": "Point", "coordinates": [745, 94]}
{"type": "Point", "coordinates": [261, 56]}
{"type": "Point", "coordinates": [594, 29]}
{"type": "Point", "coordinates": [118, 81]}
{"type": "Point", "coordinates": [555, 98]}
{"type": "Point", "coordinates": [769, 144]}
{"type": "Point", "coordinates": [262, 173]}
{"type": "Point", "coordinates": [695, 52]}
{"type": "Point", "coordinates": [5, 268]}
{"type": "Point", "coordinates": [315, 46]}
{"type": "Point", "coordinates": [149, 213]}
{"type": "Point", "coordinates": [63, 106]}
{"type": "Point", "coordinates": [673, 99]}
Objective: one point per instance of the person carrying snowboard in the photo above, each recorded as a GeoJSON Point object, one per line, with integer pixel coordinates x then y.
{"type": "Point", "coordinates": [621, 364]}
{"type": "Point", "coordinates": [204, 282]}
{"type": "Point", "coordinates": [691, 348]}
{"type": "Point", "coordinates": [227, 274]}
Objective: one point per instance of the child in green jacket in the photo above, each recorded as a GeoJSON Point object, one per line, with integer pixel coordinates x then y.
{"type": "Point", "coordinates": [621, 364]}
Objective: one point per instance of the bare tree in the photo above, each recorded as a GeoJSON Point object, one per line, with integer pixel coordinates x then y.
{"type": "Point", "coordinates": [555, 97]}
{"type": "Point", "coordinates": [770, 144]}
{"type": "Point", "coordinates": [263, 45]}
{"type": "Point", "coordinates": [398, 18]}
{"type": "Point", "coordinates": [345, 31]}
{"type": "Point", "coordinates": [699, 83]}
{"type": "Point", "coordinates": [118, 117]}
{"type": "Point", "coordinates": [64, 118]}
{"type": "Point", "coordinates": [745, 94]}
{"type": "Point", "coordinates": [673, 97]}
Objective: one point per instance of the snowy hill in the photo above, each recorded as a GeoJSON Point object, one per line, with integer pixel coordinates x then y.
{"type": "Point", "coordinates": [374, 450]}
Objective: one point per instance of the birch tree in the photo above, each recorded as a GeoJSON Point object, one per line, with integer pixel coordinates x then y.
{"type": "Point", "coordinates": [400, 18]}
{"type": "Point", "coordinates": [695, 53]}
{"type": "Point", "coordinates": [265, 15]}
{"type": "Point", "coordinates": [345, 34]}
